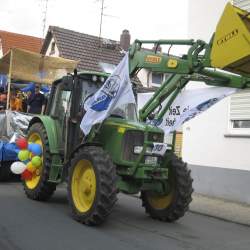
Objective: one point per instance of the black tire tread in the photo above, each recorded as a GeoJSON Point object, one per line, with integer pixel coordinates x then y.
{"type": "Point", "coordinates": [182, 196]}
{"type": "Point", "coordinates": [105, 189]}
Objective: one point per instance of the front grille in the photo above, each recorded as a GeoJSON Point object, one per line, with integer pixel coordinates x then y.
{"type": "Point", "coordinates": [131, 139]}
{"type": "Point", "coordinates": [134, 138]}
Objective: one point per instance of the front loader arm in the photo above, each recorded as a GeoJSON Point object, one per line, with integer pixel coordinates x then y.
{"type": "Point", "coordinates": [190, 67]}
{"type": "Point", "coordinates": [179, 68]}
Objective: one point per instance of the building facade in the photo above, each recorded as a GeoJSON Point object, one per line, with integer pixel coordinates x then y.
{"type": "Point", "coordinates": [216, 144]}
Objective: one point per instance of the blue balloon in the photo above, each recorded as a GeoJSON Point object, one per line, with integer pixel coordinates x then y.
{"type": "Point", "coordinates": [36, 149]}
{"type": "Point", "coordinates": [26, 162]}
{"type": "Point", "coordinates": [30, 146]}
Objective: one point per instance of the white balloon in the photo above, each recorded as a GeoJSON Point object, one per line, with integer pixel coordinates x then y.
{"type": "Point", "coordinates": [17, 167]}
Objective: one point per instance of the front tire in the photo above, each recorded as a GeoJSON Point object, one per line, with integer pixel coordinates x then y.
{"type": "Point", "coordinates": [38, 188]}
{"type": "Point", "coordinates": [91, 185]}
{"type": "Point", "coordinates": [172, 206]}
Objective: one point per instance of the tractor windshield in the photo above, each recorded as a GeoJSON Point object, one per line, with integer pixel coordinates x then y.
{"type": "Point", "coordinates": [90, 87]}
{"type": "Point", "coordinates": [127, 111]}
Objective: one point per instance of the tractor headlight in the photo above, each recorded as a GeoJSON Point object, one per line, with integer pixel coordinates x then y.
{"type": "Point", "coordinates": [102, 79]}
{"type": "Point", "coordinates": [151, 160]}
{"type": "Point", "coordinates": [138, 150]}
{"type": "Point", "coordinates": [94, 78]}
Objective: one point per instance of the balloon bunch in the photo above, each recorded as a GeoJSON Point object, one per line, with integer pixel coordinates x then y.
{"type": "Point", "coordinates": [29, 159]}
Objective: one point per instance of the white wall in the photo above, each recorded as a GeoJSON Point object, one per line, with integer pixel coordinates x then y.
{"type": "Point", "coordinates": [204, 142]}
{"type": "Point", "coordinates": [142, 98]}
{"type": "Point", "coordinates": [143, 76]}
{"type": "Point", "coordinates": [56, 54]}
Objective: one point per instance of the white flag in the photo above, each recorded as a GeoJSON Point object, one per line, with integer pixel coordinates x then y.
{"type": "Point", "coordinates": [115, 92]}
{"type": "Point", "coordinates": [190, 103]}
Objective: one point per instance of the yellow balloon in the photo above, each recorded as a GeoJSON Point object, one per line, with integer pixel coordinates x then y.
{"type": "Point", "coordinates": [31, 167]}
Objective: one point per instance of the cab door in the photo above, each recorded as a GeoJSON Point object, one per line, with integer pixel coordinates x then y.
{"type": "Point", "coordinates": [59, 108]}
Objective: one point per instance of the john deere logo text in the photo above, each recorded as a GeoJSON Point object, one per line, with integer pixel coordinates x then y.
{"type": "Point", "coordinates": [227, 37]}
{"type": "Point", "coordinates": [153, 59]}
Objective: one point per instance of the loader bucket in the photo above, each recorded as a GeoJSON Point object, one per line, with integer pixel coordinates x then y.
{"type": "Point", "coordinates": [231, 43]}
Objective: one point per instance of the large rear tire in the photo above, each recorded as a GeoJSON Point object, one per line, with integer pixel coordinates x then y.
{"type": "Point", "coordinates": [91, 185]}
{"type": "Point", "coordinates": [172, 206]}
{"type": "Point", "coordinates": [38, 188]}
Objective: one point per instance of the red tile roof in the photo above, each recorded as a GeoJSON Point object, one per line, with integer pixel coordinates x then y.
{"type": "Point", "coordinates": [14, 40]}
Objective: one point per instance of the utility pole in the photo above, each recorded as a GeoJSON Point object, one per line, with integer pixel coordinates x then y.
{"type": "Point", "coordinates": [100, 30]}
{"type": "Point", "coordinates": [45, 17]}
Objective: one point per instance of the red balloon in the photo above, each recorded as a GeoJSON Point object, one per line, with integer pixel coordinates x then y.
{"type": "Point", "coordinates": [22, 143]}
{"type": "Point", "coordinates": [26, 175]}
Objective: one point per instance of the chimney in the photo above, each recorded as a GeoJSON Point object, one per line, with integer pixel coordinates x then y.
{"type": "Point", "coordinates": [125, 40]}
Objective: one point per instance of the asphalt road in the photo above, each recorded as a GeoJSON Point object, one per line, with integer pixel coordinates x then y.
{"type": "Point", "coordinates": [31, 225]}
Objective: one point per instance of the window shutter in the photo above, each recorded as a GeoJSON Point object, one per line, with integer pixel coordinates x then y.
{"type": "Point", "coordinates": [243, 4]}
{"type": "Point", "coordinates": [240, 105]}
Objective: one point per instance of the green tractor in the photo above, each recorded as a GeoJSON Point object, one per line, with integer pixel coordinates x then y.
{"type": "Point", "coordinates": [118, 155]}
{"type": "Point", "coordinates": [115, 156]}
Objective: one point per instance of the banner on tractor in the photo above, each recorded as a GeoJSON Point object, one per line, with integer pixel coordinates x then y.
{"type": "Point", "coordinates": [190, 103]}
{"type": "Point", "coordinates": [114, 93]}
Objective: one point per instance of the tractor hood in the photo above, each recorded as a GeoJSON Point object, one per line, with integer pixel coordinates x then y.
{"type": "Point", "coordinates": [119, 137]}
{"type": "Point", "coordinates": [122, 124]}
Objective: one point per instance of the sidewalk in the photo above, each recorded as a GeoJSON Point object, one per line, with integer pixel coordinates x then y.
{"type": "Point", "coordinates": [222, 209]}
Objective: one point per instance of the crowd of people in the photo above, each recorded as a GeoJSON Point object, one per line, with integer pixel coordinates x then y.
{"type": "Point", "coordinates": [33, 102]}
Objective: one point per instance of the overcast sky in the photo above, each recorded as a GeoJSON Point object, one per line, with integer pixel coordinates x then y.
{"type": "Point", "coordinates": [144, 19]}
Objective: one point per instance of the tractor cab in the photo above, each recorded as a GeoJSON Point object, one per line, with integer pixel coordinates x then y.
{"type": "Point", "coordinates": [66, 107]}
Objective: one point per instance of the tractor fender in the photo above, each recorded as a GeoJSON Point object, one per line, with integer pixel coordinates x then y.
{"type": "Point", "coordinates": [51, 130]}
{"type": "Point", "coordinates": [67, 164]}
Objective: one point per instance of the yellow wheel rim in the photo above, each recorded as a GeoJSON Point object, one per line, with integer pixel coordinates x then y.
{"type": "Point", "coordinates": [83, 186]}
{"type": "Point", "coordinates": [32, 183]}
{"type": "Point", "coordinates": [161, 202]}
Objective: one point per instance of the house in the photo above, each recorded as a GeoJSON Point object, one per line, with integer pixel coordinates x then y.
{"type": "Point", "coordinates": [216, 143]}
{"type": "Point", "coordinates": [10, 40]}
{"type": "Point", "coordinates": [94, 53]}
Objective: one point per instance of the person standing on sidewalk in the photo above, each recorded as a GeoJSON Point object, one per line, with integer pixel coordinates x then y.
{"type": "Point", "coordinates": [36, 102]}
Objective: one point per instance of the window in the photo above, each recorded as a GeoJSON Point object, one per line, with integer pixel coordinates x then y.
{"type": "Point", "coordinates": [157, 78]}
{"type": "Point", "coordinates": [240, 113]}
{"type": "Point", "coordinates": [61, 102]}
{"type": "Point", "coordinates": [241, 124]}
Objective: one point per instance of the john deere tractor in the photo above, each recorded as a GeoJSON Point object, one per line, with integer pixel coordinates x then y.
{"type": "Point", "coordinates": [119, 155]}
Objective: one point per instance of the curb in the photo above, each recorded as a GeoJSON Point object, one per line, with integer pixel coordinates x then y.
{"type": "Point", "coordinates": [218, 208]}
{"type": "Point", "coordinates": [221, 209]}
